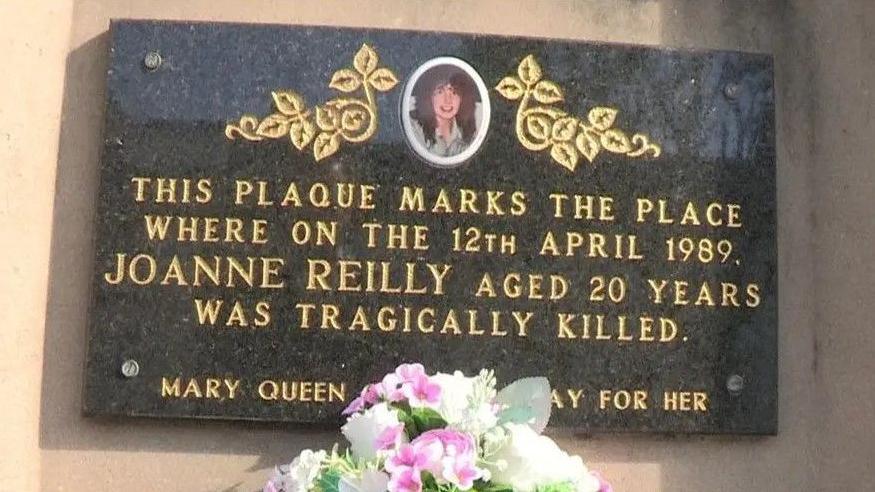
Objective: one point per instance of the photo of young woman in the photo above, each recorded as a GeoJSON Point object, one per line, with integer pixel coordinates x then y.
{"type": "Point", "coordinates": [445, 111]}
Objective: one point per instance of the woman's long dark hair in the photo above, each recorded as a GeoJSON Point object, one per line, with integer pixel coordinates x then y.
{"type": "Point", "coordinates": [468, 97]}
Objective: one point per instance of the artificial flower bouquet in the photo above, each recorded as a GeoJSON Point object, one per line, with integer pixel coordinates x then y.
{"type": "Point", "coordinates": [412, 432]}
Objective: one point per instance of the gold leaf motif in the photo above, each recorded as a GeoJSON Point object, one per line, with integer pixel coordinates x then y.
{"type": "Point", "coordinates": [353, 120]}
{"type": "Point", "coordinates": [511, 87]}
{"type": "Point", "coordinates": [274, 126]}
{"type": "Point", "coordinates": [587, 145]}
{"type": "Point", "coordinates": [547, 92]}
{"type": "Point", "coordinates": [644, 146]}
{"type": "Point", "coordinates": [350, 119]}
{"type": "Point", "coordinates": [325, 145]}
{"type": "Point", "coordinates": [602, 118]}
{"type": "Point", "coordinates": [245, 128]}
{"type": "Point", "coordinates": [565, 154]}
{"type": "Point", "coordinates": [550, 111]}
{"type": "Point", "coordinates": [529, 71]}
{"type": "Point", "coordinates": [365, 60]}
{"type": "Point", "coordinates": [382, 79]}
{"type": "Point", "coordinates": [327, 117]}
{"type": "Point", "coordinates": [288, 102]}
{"type": "Point", "coordinates": [542, 125]}
{"type": "Point", "coordinates": [564, 129]}
{"type": "Point", "coordinates": [301, 133]}
{"type": "Point", "coordinates": [345, 80]}
{"type": "Point", "coordinates": [538, 126]}
{"type": "Point", "coordinates": [615, 141]}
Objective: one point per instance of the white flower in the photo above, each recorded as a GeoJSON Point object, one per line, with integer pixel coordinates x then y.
{"type": "Point", "coordinates": [528, 460]}
{"type": "Point", "coordinates": [370, 481]}
{"type": "Point", "coordinates": [300, 474]}
{"type": "Point", "coordinates": [466, 403]}
{"type": "Point", "coordinates": [455, 389]}
{"type": "Point", "coordinates": [587, 482]}
{"type": "Point", "coordinates": [494, 440]}
{"type": "Point", "coordinates": [480, 419]}
{"type": "Point", "coordinates": [373, 431]}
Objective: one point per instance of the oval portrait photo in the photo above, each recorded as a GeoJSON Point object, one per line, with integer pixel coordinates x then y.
{"type": "Point", "coordinates": [445, 111]}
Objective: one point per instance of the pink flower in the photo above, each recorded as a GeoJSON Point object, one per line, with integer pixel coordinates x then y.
{"type": "Point", "coordinates": [390, 437]}
{"type": "Point", "coordinates": [604, 486]}
{"type": "Point", "coordinates": [406, 480]}
{"type": "Point", "coordinates": [422, 392]}
{"type": "Point", "coordinates": [390, 387]}
{"type": "Point", "coordinates": [354, 406]}
{"type": "Point", "coordinates": [409, 456]}
{"type": "Point", "coordinates": [453, 443]}
{"type": "Point", "coordinates": [461, 472]}
{"type": "Point", "coordinates": [373, 431]}
{"type": "Point", "coordinates": [370, 395]}
{"type": "Point", "coordinates": [416, 386]}
{"type": "Point", "coordinates": [410, 372]}
{"type": "Point", "coordinates": [448, 455]}
{"type": "Point", "coordinates": [405, 468]}
{"type": "Point", "coordinates": [408, 382]}
{"type": "Point", "coordinates": [451, 456]}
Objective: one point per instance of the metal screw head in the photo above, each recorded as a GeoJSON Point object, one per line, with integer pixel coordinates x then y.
{"type": "Point", "coordinates": [731, 90]}
{"type": "Point", "coordinates": [152, 60]}
{"type": "Point", "coordinates": [130, 368]}
{"type": "Point", "coordinates": [735, 384]}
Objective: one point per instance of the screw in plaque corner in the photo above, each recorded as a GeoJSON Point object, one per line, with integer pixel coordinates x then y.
{"type": "Point", "coordinates": [735, 384]}
{"type": "Point", "coordinates": [152, 61]}
{"type": "Point", "coordinates": [732, 90]}
{"type": "Point", "coordinates": [130, 368]}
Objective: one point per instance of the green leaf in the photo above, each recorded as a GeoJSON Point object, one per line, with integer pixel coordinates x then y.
{"type": "Point", "coordinates": [428, 482]}
{"type": "Point", "coordinates": [329, 481]}
{"type": "Point", "coordinates": [481, 486]}
{"type": "Point", "coordinates": [409, 425]}
{"type": "Point", "coordinates": [526, 401]}
{"type": "Point", "coordinates": [557, 487]}
{"type": "Point", "coordinates": [401, 406]}
{"type": "Point", "coordinates": [427, 419]}
{"type": "Point", "coordinates": [517, 415]}
{"type": "Point", "coordinates": [418, 420]}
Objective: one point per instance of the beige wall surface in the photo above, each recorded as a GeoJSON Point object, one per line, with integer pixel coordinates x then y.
{"type": "Point", "coordinates": [51, 107]}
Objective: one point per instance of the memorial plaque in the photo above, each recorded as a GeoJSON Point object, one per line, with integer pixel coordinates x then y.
{"type": "Point", "coordinates": [286, 213]}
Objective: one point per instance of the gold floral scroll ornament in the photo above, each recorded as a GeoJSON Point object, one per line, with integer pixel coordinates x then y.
{"type": "Point", "coordinates": [343, 118]}
{"type": "Point", "coordinates": [543, 126]}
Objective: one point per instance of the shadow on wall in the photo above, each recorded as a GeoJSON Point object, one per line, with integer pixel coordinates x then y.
{"type": "Point", "coordinates": [678, 463]}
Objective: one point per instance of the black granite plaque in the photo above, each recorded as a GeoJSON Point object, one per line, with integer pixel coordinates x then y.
{"type": "Point", "coordinates": [286, 213]}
